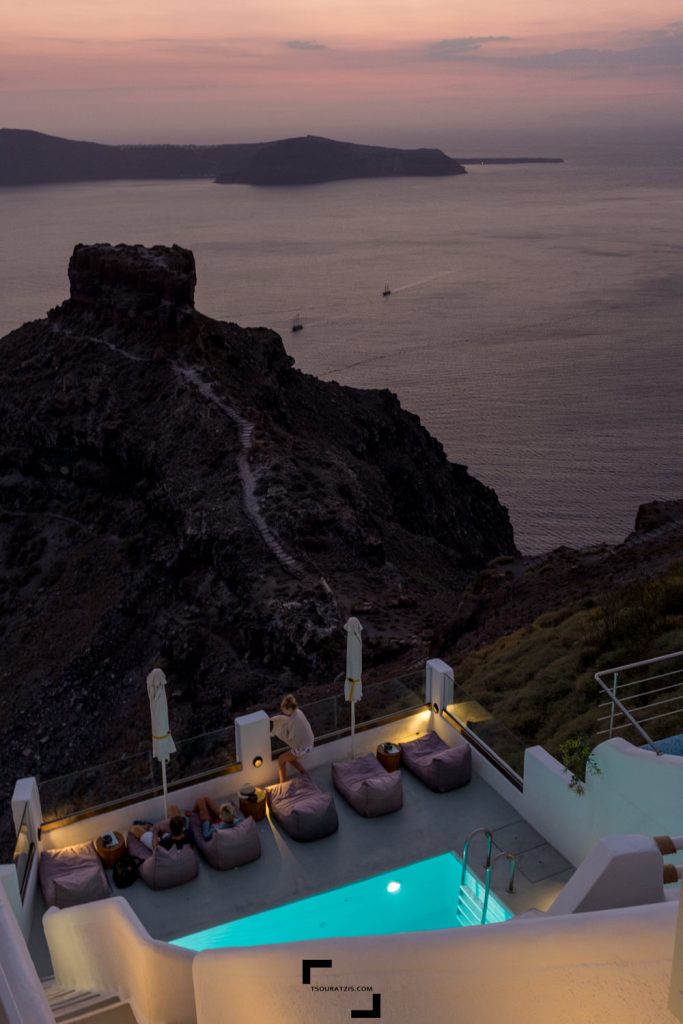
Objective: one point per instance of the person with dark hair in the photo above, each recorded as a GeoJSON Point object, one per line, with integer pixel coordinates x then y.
{"type": "Point", "coordinates": [178, 831]}
{"type": "Point", "coordinates": [176, 834]}
{"type": "Point", "coordinates": [294, 729]}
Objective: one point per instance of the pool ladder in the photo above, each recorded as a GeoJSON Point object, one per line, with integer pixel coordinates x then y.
{"type": "Point", "coordinates": [470, 906]}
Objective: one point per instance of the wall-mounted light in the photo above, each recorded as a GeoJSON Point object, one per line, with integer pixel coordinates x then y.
{"type": "Point", "coordinates": [257, 762]}
{"type": "Point", "coordinates": [435, 708]}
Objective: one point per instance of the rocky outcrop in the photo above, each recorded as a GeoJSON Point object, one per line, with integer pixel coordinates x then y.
{"type": "Point", "coordinates": [173, 490]}
{"type": "Point", "coordinates": [134, 280]}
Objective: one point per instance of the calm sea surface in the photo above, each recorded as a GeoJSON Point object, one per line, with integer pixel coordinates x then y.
{"type": "Point", "coordinates": [534, 323]}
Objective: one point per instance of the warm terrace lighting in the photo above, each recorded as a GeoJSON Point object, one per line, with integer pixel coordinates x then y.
{"type": "Point", "coordinates": [393, 886]}
{"type": "Point", "coordinates": [257, 762]}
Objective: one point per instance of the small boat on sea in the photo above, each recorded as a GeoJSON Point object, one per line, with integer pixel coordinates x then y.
{"type": "Point", "coordinates": [297, 324]}
{"type": "Point", "coordinates": [387, 289]}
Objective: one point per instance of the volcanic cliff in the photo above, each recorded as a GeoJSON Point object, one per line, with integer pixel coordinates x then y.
{"type": "Point", "coordinates": [173, 491]}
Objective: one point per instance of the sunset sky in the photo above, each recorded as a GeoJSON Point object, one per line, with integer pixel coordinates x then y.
{"type": "Point", "coordinates": [216, 70]}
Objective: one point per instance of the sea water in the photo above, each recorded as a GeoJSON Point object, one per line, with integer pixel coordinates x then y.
{"type": "Point", "coordinates": [420, 897]}
{"type": "Point", "coordinates": [534, 321]}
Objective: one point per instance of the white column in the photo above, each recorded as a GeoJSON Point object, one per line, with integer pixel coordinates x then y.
{"type": "Point", "coordinates": [439, 683]}
{"type": "Point", "coordinates": [252, 741]}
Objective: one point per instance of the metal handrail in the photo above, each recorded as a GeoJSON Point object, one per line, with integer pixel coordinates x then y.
{"type": "Point", "coordinates": [466, 849]}
{"type": "Point", "coordinates": [619, 707]}
{"type": "Point", "coordinates": [489, 872]}
{"type": "Point", "coordinates": [639, 664]}
{"type": "Point", "coordinates": [650, 679]}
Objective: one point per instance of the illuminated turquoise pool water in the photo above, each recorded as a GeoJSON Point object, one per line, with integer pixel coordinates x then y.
{"type": "Point", "coordinates": [420, 897]}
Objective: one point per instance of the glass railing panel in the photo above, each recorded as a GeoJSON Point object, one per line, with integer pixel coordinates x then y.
{"type": "Point", "coordinates": [138, 775]}
{"type": "Point", "coordinates": [490, 730]}
{"type": "Point", "coordinates": [135, 776]}
{"type": "Point", "coordinates": [202, 755]}
{"type": "Point", "coordinates": [402, 694]}
{"type": "Point", "coordinates": [330, 717]}
{"type": "Point", "coordinates": [102, 784]}
{"type": "Point", "coordinates": [23, 851]}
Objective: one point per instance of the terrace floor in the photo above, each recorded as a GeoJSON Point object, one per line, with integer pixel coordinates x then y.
{"type": "Point", "coordinates": [429, 824]}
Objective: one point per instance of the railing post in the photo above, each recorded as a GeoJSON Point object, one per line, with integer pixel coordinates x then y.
{"type": "Point", "coordinates": [615, 682]}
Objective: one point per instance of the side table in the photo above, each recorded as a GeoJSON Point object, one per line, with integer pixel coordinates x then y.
{"type": "Point", "coordinates": [255, 808]}
{"type": "Point", "coordinates": [110, 854]}
{"type": "Point", "coordinates": [389, 756]}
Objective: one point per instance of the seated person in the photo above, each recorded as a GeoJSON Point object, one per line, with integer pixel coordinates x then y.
{"type": "Point", "coordinates": [177, 834]}
{"type": "Point", "coordinates": [213, 817]}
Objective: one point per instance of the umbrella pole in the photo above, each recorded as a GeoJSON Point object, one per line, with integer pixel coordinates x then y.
{"type": "Point", "coordinates": [163, 783]}
{"type": "Point", "coordinates": [353, 724]}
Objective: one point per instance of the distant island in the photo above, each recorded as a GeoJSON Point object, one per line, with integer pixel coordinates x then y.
{"type": "Point", "coordinates": [32, 158]}
{"type": "Point", "coordinates": [28, 158]}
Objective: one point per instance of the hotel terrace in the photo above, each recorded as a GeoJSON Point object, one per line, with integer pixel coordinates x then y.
{"type": "Point", "coordinates": [580, 923]}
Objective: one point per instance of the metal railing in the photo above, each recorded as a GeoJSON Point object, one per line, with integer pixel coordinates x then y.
{"type": "Point", "coordinates": [653, 697]}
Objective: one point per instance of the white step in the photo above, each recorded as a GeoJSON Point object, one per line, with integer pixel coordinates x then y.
{"type": "Point", "coordinates": [69, 1005]}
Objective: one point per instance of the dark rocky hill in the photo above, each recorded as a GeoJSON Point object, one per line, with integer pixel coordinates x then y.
{"type": "Point", "coordinates": [310, 160]}
{"type": "Point", "coordinates": [173, 491]}
{"type": "Point", "coordinates": [28, 158]}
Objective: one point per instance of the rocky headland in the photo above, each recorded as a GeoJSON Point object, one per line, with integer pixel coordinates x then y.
{"type": "Point", "coordinates": [312, 160]}
{"type": "Point", "coordinates": [174, 491]}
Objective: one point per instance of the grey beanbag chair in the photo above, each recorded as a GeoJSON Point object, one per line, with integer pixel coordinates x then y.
{"type": "Point", "coordinates": [161, 868]}
{"type": "Point", "coordinates": [228, 847]}
{"type": "Point", "coordinates": [440, 767]}
{"type": "Point", "coordinates": [72, 875]}
{"type": "Point", "coordinates": [367, 786]}
{"type": "Point", "coordinates": [303, 810]}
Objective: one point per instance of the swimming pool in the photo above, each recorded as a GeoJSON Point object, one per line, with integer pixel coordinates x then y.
{"type": "Point", "coordinates": [420, 897]}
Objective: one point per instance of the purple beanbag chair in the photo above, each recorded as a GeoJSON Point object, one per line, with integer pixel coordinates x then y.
{"type": "Point", "coordinates": [228, 847]}
{"type": "Point", "coordinates": [161, 868]}
{"type": "Point", "coordinates": [71, 876]}
{"type": "Point", "coordinates": [440, 767]}
{"type": "Point", "coordinates": [367, 786]}
{"type": "Point", "coordinates": [303, 810]}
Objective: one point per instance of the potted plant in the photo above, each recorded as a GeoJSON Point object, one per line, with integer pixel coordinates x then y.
{"type": "Point", "coordinates": [576, 757]}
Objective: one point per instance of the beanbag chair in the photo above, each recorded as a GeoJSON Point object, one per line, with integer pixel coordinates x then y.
{"type": "Point", "coordinates": [72, 875]}
{"type": "Point", "coordinates": [440, 767]}
{"type": "Point", "coordinates": [162, 868]}
{"type": "Point", "coordinates": [303, 810]}
{"type": "Point", "coordinates": [228, 847]}
{"type": "Point", "coordinates": [368, 786]}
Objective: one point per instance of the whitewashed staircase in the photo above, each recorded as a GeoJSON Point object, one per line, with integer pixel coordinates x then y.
{"type": "Point", "coordinates": [69, 1006]}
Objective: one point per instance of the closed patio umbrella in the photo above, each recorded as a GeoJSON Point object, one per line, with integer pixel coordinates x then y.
{"type": "Point", "coordinates": [162, 741]}
{"type": "Point", "coordinates": [353, 686]}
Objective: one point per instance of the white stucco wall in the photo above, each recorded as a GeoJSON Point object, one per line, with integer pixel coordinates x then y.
{"type": "Point", "coordinates": [22, 1000]}
{"type": "Point", "coordinates": [637, 792]}
{"type": "Point", "coordinates": [612, 967]}
{"type": "Point", "coordinates": [103, 947]}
